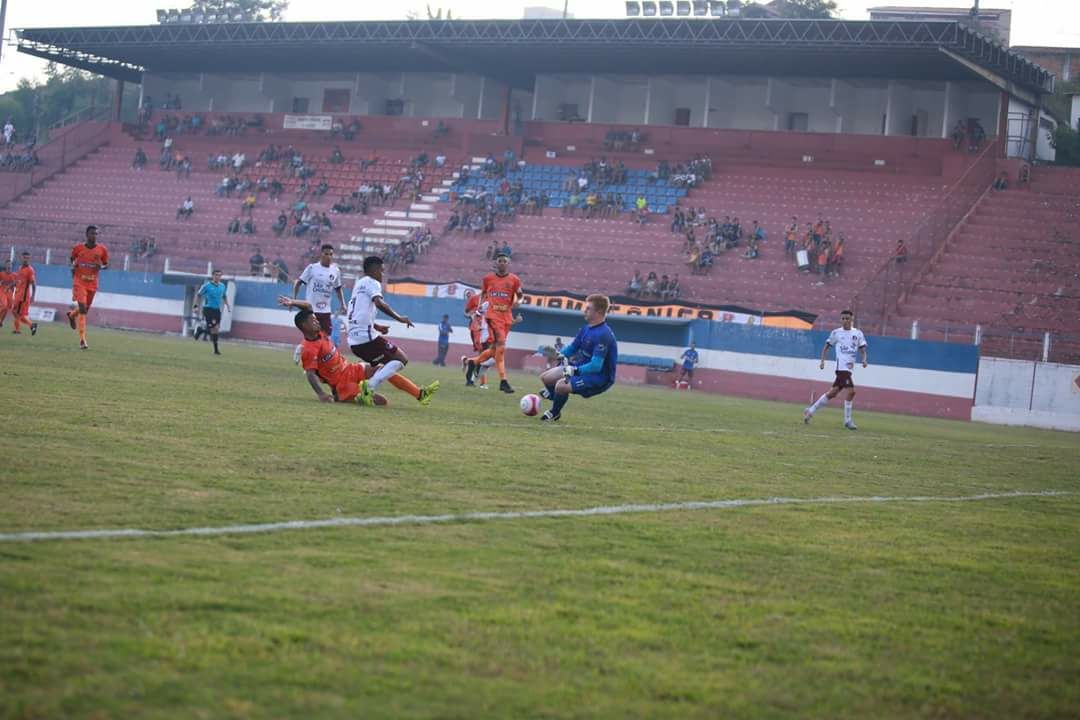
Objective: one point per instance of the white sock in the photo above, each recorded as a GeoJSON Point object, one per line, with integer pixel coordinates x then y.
{"type": "Point", "coordinates": [847, 411]}
{"type": "Point", "coordinates": [819, 402]}
{"type": "Point", "coordinates": [386, 371]}
{"type": "Point", "coordinates": [488, 363]}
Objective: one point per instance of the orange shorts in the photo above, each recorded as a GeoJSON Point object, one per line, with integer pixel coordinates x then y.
{"type": "Point", "coordinates": [499, 329]}
{"type": "Point", "coordinates": [348, 382]}
{"type": "Point", "coordinates": [5, 300]}
{"type": "Point", "coordinates": [83, 294]}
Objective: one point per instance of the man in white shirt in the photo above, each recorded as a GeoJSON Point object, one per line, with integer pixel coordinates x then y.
{"type": "Point", "coordinates": [323, 282]}
{"type": "Point", "coordinates": [849, 342]}
{"type": "Point", "coordinates": [366, 336]}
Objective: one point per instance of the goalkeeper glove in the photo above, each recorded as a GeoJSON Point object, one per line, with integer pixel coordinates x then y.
{"type": "Point", "coordinates": [569, 370]}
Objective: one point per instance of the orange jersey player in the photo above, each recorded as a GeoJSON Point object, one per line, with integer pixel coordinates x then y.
{"type": "Point", "coordinates": [323, 363]}
{"type": "Point", "coordinates": [87, 260]}
{"type": "Point", "coordinates": [476, 311]}
{"type": "Point", "coordinates": [501, 290]}
{"type": "Point", "coordinates": [7, 287]}
{"type": "Point", "coordinates": [25, 291]}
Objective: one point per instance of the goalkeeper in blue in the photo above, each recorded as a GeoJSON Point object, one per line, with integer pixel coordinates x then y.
{"type": "Point", "coordinates": [589, 361]}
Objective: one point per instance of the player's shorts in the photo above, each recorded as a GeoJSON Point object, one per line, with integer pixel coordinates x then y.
{"type": "Point", "coordinates": [348, 382]}
{"type": "Point", "coordinates": [589, 384]}
{"type": "Point", "coordinates": [376, 352]}
{"type": "Point", "coordinates": [326, 322]}
{"type": "Point", "coordinates": [499, 330]}
{"type": "Point", "coordinates": [212, 316]}
{"type": "Point", "coordinates": [20, 308]}
{"type": "Point", "coordinates": [843, 380]}
{"type": "Point", "coordinates": [478, 344]}
{"type": "Point", "coordinates": [6, 300]}
{"type": "Point", "coordinates": [83, 295]}
{"type": "Point", "coordinates": [688, 369]}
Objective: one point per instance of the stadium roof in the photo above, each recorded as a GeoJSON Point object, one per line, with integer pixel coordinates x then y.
{"type": "Point", "coordinates": [517, 50]}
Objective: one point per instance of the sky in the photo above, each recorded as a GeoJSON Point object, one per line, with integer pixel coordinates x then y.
{"type": "Point", "coordinates": [1034, 22]}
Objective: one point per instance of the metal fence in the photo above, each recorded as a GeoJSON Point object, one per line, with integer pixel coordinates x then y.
{"type": "Point", "coordinates": [876, 304]}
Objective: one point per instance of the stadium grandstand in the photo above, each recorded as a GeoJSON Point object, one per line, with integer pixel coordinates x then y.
{"type": "Point", "coordinates": [595, 149]}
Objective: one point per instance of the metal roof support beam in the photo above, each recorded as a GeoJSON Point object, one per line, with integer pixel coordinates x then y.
{"type": "Point", "coordinates": [993, 78]}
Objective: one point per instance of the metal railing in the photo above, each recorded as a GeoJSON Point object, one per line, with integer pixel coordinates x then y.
{"type": "Point", "coordinates": [877, 302]}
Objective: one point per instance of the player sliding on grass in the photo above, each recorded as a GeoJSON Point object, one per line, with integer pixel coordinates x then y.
{"type": "Point", "coordinates": [324, 364]}
{"type": "Point", "coordinates": [848, 341]}
{"type": "Point", "coordinates": [596, 354]}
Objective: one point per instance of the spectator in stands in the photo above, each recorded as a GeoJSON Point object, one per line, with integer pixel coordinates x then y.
{"type": "Point", "coordinates": [900, 254]}
{"type": "Point", "coordinates": [635, 286]}
{"type": "Point", "coordinates": [641, 208]}
{"type": "Point", "coordinates": [336, 157]}
{"type": "Point", "coordinates": [234, 226]}
{"type": "Point", "coordinates": [678, 221]}
{"type": "Point", "coordinates": [282, 270]}
{"type": "Point", "coordinates": [247, 207]}
{"type": "Point", "coordinates": [693, 259]}
{"type": "Point", "coordinates": [978, 135]}
{"type": "Point", "coordinates": [673, 288]}
{"type": "Point", "coordinates": [958, 132]}
{"type": "Point", "coordinates": [791, 235]}
{"type": "Point", "coordinates": [752, 248]}
{"type": "Point", "coordinates": [652, 286]}
{"type": "Point", "coordinates": [1023, 177]}
{"type": "Point", "coordinates": [140, 159]}
{"type": "Point", "coordinates": [186, 209]}
{"type": "Point", "coordinates": [257, 261]}
{"type": "Point", "coordinates": [662, 288]}
{"type": "Point", "coordinates": [837, 259]}
{"type": "Point", "coordinates": [249, 226]}
{"type": "Point", "coordinates": [1001, 182]}
{"type": "Point", "coordinates": [506, 250]}
{"type": "Point", "coordinates": [280, 224]}
{"type": "Point", "coordinates": [351, 129]}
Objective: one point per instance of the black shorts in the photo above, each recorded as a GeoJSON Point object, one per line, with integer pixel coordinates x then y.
{"type": "Point", "coordinates": [212, 317]}
{"type": "Point", "coordinates": [326, 322]}
{"type": "Point", "coordinates": [843, 380]}
{"type": "Point", "coordinates": [376, 352]}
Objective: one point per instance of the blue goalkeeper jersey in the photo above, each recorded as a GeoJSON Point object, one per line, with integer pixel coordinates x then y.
{"type": "Point", "coordinates": [594, 351]}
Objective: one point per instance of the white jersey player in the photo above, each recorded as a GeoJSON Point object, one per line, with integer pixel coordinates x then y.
{"type": "Point", "coordinates": [848, 342]}
{"type": "Point", "coordinates": [323, 282]}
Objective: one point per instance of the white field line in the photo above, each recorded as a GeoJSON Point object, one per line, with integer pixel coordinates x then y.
{"type": "Point", "coordinates": [522, 515]}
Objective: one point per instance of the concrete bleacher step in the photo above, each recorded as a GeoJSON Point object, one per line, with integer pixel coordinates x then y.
{"type": "Point", "coordinates": [399, 223]}
{"type": "Point", "coordinates": [386, 232]}
{"type": "Point", "coordinates": [430, 198]}
{"type": "Point", "coordinates": [409, 214]}
{"type": "Point", "coordinates": [420, 206]}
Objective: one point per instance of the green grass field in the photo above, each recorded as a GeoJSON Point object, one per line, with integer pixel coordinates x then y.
{"type": "Point", "coordinates": [861, 610]}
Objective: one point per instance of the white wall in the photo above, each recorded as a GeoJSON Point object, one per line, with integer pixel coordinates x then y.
{"type": "Point", "coordinates": [555, 90]}
{"type": "Point", "coordinates": [605, 100]}
{"type": "Point", "coordinates": [869, 108]}
{"type": "Point", "coordinates": [187, 85]}
{"type": "Point", "coordinates": [1075, 116]}
{"type": "Point", "coordinates": [814, 101]}
{"type": "Point", "coordinates": [750, 112]}
{"type": "Point", "coordinates": [721, 110]}
{"type": "Point", "coordinates": [955, 107]}
{"type": "Point", "coordinates": [1020, 392]}
{"type": "Point", "coordinates": [661, 102]}
{"type": "Point", "coordinates": [690, 93]}
{"type": "Point", "coordinates": [900, 108]}
{"type": "Point", "coordinates": [983, 104]}
{"type": "Point", "coordinates": [929, 104]}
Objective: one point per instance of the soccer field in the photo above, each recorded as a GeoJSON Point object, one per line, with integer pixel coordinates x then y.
{"type": "Point", "coordinates": [948, 587]}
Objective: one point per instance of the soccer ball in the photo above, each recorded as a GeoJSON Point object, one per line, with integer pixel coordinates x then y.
{"type": "Point", "coordinates": [530, 405]}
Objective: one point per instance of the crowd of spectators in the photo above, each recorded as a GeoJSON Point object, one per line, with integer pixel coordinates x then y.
{"type": "Point", "coordinates": [652, 287]}
{"type": "Point", "coordinates": [824, 249]}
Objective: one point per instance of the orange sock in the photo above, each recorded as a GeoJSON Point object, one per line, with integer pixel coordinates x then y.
{"type": "Point", "coordinates": [17, 321]}
{"type": "Point", "coordinates": [485, 355]}
{"type": "Point", "coordinates": [405, 385]}
{"type": "Point", "coordinates": [3, 315]}
{"type": "Point", "coordinates": [500, 361]}
{"type": "Point", "coordinates": [82, 327]}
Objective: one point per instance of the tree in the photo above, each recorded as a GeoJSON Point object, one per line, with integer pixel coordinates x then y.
{"type": "Point", "coordinates": [1066, 144]}
{"type": "Point", "coordinates": [804, 9]}
{"type": "Point", "coordinates": [39, 105]}
{"type": "Point", "coordinates": [245, 10]}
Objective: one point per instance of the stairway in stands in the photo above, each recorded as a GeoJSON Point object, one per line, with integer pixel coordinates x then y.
{"type": "Point", "coordinates": [1013, 265]}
